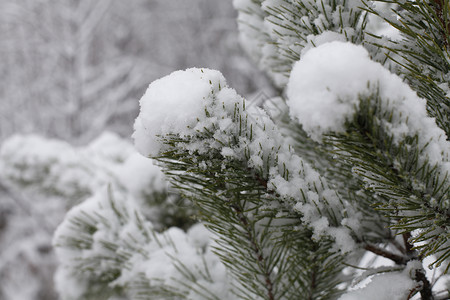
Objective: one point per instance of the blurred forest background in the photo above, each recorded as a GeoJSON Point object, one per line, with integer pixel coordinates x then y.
{"type": "Point", "coordinates": [72, 69]}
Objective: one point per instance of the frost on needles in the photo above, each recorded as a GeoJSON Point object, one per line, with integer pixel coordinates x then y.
{"type": "Point", "coordinates": [219, 123]}
{"type": "Point", "coordinates": [108, 249]}
{"type": "Point", "coordinates": [248, 184]}
{"type": "Point", "coordinates": [263, 201]}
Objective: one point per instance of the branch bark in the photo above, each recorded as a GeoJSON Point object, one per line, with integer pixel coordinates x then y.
{"type": "Point", "coordinates": [398, 259]}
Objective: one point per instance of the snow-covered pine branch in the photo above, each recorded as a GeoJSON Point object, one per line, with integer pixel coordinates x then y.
{"type": "Point", "coordinates": [233, 162]}
{"type": "Point", "coordinates": [54, 168]}
{"type": "Point", "coordinates": [108, 249]}
{"type": "Point", "coordinates": [350, 160]}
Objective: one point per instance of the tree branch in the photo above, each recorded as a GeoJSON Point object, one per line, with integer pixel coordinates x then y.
{"type": "Point", "coordinates": [398, 259]}
{"type": "Point", "coordinates": [439, 10]}
{"type": "Point", "coordinates": [237, 207]}
{"type": "Point", "coordinates": [408, 246]}
{"type": "Point", "coordinates": [426, 292]}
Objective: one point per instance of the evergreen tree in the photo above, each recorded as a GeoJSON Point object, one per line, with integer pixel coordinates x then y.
{"type": "Point", "coordinates": [350, 162]}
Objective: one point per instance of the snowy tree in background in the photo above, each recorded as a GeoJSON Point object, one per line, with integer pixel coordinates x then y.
{"type": "Point", "coordinates": [82, 64]}
{"type": "Point", "coordinates": [59, 176]}
{"type": "Point", "coordinates": [336, 189]}
{"type": "Point", "coordinates": [72, 70]}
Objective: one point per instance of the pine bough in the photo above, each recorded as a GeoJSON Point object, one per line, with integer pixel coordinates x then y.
{"type": "Point", "coordinates": [350, 162]}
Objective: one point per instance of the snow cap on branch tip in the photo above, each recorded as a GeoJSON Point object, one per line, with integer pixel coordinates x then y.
{"type": "Point", "coordinates": [325, 85]}
{"type": "Point", "coordinates": [172, 104]}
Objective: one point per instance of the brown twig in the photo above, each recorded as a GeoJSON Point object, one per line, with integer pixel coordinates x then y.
{"type": "Point", "coordinates": [425, 291]}
{"type": "Point", "coordinates": [408, 245]}
{"type": "Point", "coordinates": [439, 10]}
{"type": "Point", "coordinates": [398, 259]}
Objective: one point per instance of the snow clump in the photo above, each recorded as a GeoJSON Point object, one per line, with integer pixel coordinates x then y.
{"type": "Point", "coordinates": [174, 105]}
{"type": "Point", "coordinates": [326, 85]}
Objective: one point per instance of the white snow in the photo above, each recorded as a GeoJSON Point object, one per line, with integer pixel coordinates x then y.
{"type": "Point", "coordinates": [140, 253]}
{"type": "Point", "coordinates": [387, 286]}
{"type": "Point", "coordinates": [216, 115]}
{"type": "Point", "coordinates": [60, 168]}
{"type": "Point", "coordinates": [327, 36]}
{"type": "Point", "coordinates": [172, 104]}
{"type": "Point", "coordinates": [140, 176]}
{"type": "Point", "coordinates": [325, 87]}
{"type": "Point", "coordinates": [49, 164]}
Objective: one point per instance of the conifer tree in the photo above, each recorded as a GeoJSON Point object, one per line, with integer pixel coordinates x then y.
{"type": "Point", "coordinates": [298, 198]}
